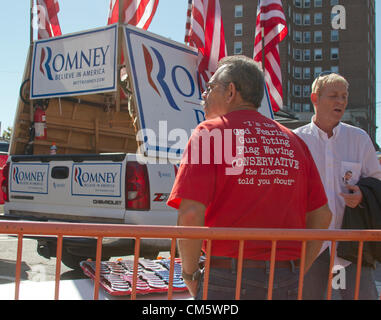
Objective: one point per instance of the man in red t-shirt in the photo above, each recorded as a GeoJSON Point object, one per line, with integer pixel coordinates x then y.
{"type": "Point", "coordinates": [241, 169]}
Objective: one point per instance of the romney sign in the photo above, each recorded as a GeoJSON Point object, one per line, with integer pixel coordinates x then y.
{"type": "Point", "coordinates": [76, 64]}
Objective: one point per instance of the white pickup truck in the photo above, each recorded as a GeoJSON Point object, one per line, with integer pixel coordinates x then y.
{"type": "Point", "coordinates": [99, 188]}
{"type": "Point", "coordinates": [98, 174]}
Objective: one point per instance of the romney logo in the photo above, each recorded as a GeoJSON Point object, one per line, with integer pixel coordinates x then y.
{"type": "Point", "coordinates": [180, 78]}
{"type": "Point", "coordinates": [86, 179]}
{"type": "Point", "coordinates": [52, 63]}
{"type": "Point", "coordinates": [22, 176]}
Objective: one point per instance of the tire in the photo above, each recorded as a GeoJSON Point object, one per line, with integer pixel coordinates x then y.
{"type": "Point", "coordinates": [72, 261]}
{"type": "Point", "coordinates": [24, 91]}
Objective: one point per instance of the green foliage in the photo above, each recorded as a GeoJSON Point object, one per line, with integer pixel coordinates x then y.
{"type": "Point", "coordinates": [7, 134]}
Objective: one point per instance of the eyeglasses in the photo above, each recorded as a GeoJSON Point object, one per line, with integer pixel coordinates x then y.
{"type": "Point", "coordinates": [210, 86]}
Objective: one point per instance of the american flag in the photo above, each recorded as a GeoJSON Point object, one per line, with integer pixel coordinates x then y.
{"type": "Point", "coordinates": [207, 35]}
{"type": "Point", "coordinates": [48, 25]}
{"type": "Point", "coordinates": [271, 18]}
{"type": "Point", "coordinates": [138, 13]}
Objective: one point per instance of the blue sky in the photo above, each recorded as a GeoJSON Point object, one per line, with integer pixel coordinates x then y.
{"type": "Point", "coordinates": [79, 15]}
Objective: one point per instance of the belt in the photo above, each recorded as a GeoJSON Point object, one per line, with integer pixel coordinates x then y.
{"type": "Point", "coordinates": [231, 263]}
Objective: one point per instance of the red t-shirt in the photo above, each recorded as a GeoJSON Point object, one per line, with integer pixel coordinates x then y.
{"type": "Point", "coordinates": [260, 175]}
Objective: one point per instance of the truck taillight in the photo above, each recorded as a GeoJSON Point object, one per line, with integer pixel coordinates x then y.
{"type": "Point", "coordinates": [137, 186]}
{"type": "Point", "coordinates": [5, 183]}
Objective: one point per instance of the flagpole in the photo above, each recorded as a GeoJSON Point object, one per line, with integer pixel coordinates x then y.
{"type": "Point", "coordinates": [31, 23]}
{"type": "Point", "coordinates": [263, 48]}
{"type": "Point", "coordinates": [120, 11]}
{"type": "Point", "coordinates": [120, 30]}
{"type": "Point", "coordinates": [31, 107]}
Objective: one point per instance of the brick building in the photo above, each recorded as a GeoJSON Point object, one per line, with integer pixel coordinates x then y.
{"type": "Point", "coordinates": [313, 45]}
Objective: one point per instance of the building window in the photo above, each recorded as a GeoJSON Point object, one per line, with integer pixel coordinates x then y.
{"type": "Point", "coordinates": [318, 18]}
{"type": "Point", "coordinates": [238, 11]}
{"type": "Point", "coordinates": [238, 29]}
{"type": "Point", "coordinates": [298, 36]}
{"type": "Point", "coordinates": [307, 55]}
{"type": "Point", "coordinates": [298, 19]}
{"type": "Point", "coordinates": [318, 54]}
{"type": "Point", "coordinates": [334, 35]}
{"type": "Point", "coordinates": [318, 3]}
{"type": "Point", "coordinates": [297, 90]}
{"type": "Point", "coordinates": [297, 107]}
{"type": "Point", "coordinates": [317, 71]}
{"type": "Point", "coordinates": [307, 3]}
{"type": "Point", "coordinates": [298, 3]}
{"type": "Point", "coordinates": [307, 37]}
{"type": "Point", "coordinates": [334, 2]}
{"type": "Point", "coordinates": [307, 19]}
{"type": "Point", "coordinates": [238, 47]}
{"type": "Point", "coordinates": [335, 69]}
{"type": "Point", "coordinates": [318, 36]}
{"type": "Point", "coordinates": [306, 107]}
{"type": "Point", "coordinates": [298, 54]}
{"type": "Point", "coordinates": [297, 72]}
{"type": "Point", "coordinates": [334, 53]}
{"type": "Point", "coordinates": [306, 91]}
{"type": "Point", "coordinates": [307, 73]}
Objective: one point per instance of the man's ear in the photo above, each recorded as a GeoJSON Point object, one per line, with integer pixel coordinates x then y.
{"type": "Point", "coordinates": [231, 92]}
{"type": "Point", "coordinates": [314, 98]}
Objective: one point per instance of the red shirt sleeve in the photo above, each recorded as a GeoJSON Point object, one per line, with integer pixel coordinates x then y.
{"type": "Point", "coordinates": [195, 179]}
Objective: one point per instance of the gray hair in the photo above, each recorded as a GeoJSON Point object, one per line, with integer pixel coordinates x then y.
{"type": "Point", "coordinates": [246, 75]}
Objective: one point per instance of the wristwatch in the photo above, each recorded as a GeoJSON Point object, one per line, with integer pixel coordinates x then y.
{"type": "Point", "coordinates": [194, 276]}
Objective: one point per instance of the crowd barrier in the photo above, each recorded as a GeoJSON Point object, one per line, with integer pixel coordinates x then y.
{"type": "Point", "coordinates": [100, 231]}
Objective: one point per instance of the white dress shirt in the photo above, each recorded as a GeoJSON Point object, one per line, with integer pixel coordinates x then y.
{"type": "Point", "coordinates": [341, 159]}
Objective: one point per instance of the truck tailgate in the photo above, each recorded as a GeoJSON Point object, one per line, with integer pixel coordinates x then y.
{"type": "Point", "coordinates": [58, 186]}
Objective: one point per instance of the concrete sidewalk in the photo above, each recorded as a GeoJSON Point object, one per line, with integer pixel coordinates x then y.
{"type": "Point", "coordinates": [82, 289]}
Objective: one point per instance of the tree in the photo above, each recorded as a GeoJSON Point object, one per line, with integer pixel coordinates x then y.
{"type": "Point", "coordinates": [7, 133]}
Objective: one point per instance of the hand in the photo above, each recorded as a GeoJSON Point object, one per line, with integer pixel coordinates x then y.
{"type": "Point", "coordinates": [352, 200]}
{"type": "Point", "coordinates": [192, 286]}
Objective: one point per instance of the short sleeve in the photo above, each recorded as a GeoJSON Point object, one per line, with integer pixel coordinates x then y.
{"type": "Point", "coordinates": [195, 179]}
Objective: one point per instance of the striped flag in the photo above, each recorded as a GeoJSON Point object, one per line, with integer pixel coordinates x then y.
{"type": "Point", "coordinates": [48, 25]}
{"type": "Point", "coordinates": [138, 13]}
{"type": "Point", "coordinates": [271, 19]}
{"type": "Point", "coordinates": [207, 35]}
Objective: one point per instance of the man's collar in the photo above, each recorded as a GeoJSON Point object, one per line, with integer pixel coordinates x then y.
{"type": "Point", "coordinates": [322, 134]}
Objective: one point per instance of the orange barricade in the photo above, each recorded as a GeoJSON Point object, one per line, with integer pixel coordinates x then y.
{"type": "Point", "coordinates": [101, 231]}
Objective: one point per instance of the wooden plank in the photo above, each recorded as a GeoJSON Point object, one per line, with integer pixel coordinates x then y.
{"type": "Point", "coordinates": [96, 124]}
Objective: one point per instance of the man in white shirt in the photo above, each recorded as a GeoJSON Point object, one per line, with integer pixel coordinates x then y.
{"type": "Point", "coordinates": [342, 154]}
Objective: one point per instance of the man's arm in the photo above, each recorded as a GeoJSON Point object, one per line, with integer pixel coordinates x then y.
{"type": "Point", "coordinates": [190, 213]}
{"type": "Point", "coordinates": [317, 219]}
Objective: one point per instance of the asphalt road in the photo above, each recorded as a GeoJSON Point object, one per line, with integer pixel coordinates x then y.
{"type": "Point", "coordinates": [33, 267]}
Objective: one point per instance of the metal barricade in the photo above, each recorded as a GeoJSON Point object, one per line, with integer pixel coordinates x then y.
{"type": "Point", "coordinates": [100, 231]}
